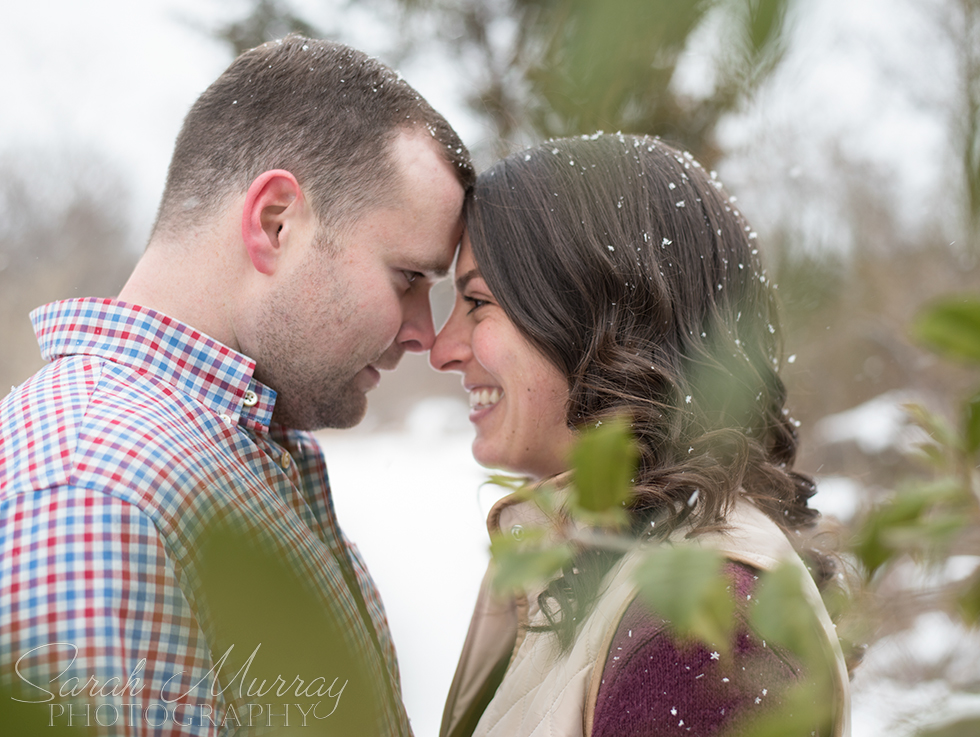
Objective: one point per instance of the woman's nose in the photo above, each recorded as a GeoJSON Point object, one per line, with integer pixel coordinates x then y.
{"type": "Point", "coordinates": [451, 348]}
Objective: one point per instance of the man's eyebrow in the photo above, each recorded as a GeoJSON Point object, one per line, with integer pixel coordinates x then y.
{"type": "Point", "coordinates": [434, 270]}
{"type": "Point", "coordinates": [466, 278]}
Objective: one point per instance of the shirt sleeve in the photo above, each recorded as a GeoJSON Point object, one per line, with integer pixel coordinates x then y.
{"type": "Point", "coordinates": [94, 627]}
{"type": "Point", "coordinates": [652, 685]}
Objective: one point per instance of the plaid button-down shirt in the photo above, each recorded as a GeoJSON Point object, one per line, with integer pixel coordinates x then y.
{"type": "Point", "coordinates": [113, 459]}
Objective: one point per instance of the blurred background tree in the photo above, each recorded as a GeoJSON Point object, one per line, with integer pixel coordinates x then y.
{"type": "Point", "coordinates": [65, 230]}
{"type": "Point", "coordinates": [266, 20]}
{"type": "Point", "coordinates": [564, 67]}
{"type": "Point", "coordinates": [546, 68]}
{"type": "Point", "coordinates": [961, 22]}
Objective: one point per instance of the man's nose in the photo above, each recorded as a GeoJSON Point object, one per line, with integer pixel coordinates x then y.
{"type": "Point", "coordinates": [417, 333]}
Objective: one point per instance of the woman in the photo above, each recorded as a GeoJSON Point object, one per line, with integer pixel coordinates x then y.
{"type": "Point", "coordinates": [608, 276]}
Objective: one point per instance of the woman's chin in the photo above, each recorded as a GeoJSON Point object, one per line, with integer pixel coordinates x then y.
{"type": "Point", "coordinates": [489, 458]}
{"type": "Point", "coordinates": [485, 459]}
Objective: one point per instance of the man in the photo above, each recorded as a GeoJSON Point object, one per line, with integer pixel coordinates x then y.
{"type": "Point", "coordinates": [159, 493]}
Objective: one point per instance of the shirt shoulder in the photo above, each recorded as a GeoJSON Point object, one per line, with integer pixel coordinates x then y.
{"type": "Point", "coordinates": [40, 422]}
{"type": "Point", "coordinates": [89, 422]}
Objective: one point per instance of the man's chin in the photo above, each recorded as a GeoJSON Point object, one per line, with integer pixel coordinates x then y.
{"type": "Point", "coordinates": [341, 413]}
{"type": "Point", "coordinates": [347, 421]}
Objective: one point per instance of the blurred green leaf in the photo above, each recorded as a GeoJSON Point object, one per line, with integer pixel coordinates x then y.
{"type": "Point", "coordinates": [871, 544]}
{"type": "Point", "coordinates": [951, 328]}
{"type": "Point", "coordinates": [927, 535]}
{"type": "Point", "coordinates": [514, 483]}
{"type": "Point", "coordinates": [932, 455]}
{"type": "Point", "coordinates": [765, 22]}
{"type": "Point", "coordinates": [526, 560]}
{"type": "Point", "coordinates": [36, 720]}
{"type": "Point", "coordinates": [576, 66]}
{"type": "Point", "coordinates": [968, 602]}
{"type": "Point", "coordinates": [249, 590]}
{"type": "Point", "coordinates": [971, 424]}
{"type": "Point", "coordinates": [804, 709]}
{"type": "Point", "coordinates": [943, 491]}
{"type": "Point", "coordinates": [603, 463]}
{"type": "Point", "coordinates": [605, 65]}
{"type": "Point", "coordinates": [783, 615]}
{"type": "Point", "coordinates": [936, 425]}
{"type": "Point", "coordinates": [685, 586]}
{"type": "Point", "coordinates": [544, 496]}
{"type": "Point", "coordinates": [897, 526]}
{"type": "Point", "coordinates": [969, 727]}
{"type": "Point", "coordinates": [615, 518]}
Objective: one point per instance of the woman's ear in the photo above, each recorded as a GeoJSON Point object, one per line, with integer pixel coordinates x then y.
{"type": "Point", "coordinates": [273, 199]}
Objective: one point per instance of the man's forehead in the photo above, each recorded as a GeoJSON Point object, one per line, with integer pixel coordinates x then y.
{"type": "Point", "coordinates": [443, 267]}
{"type": "Point", "coordinates": [447, 262]}
{"type": "Point", "coordinates": [425, 199]}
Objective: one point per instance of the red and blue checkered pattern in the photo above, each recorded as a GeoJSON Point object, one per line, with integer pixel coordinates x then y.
{"type": "Point", "coordinates": [113, 459]}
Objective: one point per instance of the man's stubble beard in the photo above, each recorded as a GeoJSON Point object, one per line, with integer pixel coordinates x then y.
{"type": "Point", "coordinates": [311, 395]}
{"type": "Point", "coordinates": [332, 406]}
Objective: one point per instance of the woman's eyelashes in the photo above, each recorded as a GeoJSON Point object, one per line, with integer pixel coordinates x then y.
{"type": "Point", "coordinates": [475, 303]}
{"type": "Point", "coordinates": [411, 276]}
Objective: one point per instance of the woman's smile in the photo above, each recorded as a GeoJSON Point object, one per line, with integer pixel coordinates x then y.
{"type": "Point", "coordinates": [484, 398]}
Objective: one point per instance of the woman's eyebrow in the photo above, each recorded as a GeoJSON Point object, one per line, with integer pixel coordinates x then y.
{"type": "Point", "coordinates": [466, 278]}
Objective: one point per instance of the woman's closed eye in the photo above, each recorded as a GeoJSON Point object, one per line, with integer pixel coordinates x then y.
{"type": "Point", "coordinates": [475, 303]}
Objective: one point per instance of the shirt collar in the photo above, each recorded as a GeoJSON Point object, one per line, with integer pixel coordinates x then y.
{"type": "Point", "coordinates": [151, 342]}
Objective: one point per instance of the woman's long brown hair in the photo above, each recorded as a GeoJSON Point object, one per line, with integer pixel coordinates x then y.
{"type": "Point", "coordinates": [632, 270]}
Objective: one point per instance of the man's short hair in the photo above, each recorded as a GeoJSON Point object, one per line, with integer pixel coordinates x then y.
{"type": "Point", "coordinates": [323, 111]}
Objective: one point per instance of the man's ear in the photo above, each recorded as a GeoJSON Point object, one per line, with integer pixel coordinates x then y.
{"type": "Point", "coordinates": [273, 200]}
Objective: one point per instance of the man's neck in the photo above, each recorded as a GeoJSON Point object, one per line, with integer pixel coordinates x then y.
{"type": "Point", "coordinates": [185, 284]}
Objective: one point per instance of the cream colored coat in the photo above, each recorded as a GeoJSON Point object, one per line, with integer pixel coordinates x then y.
{"type": "Point", "coordinates": [547, 693]}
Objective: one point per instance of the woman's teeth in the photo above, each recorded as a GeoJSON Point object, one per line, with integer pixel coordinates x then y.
{"type": "Point", "coordinates": [484, 398]}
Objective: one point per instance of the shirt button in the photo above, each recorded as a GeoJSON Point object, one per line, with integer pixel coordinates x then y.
{"type": "Point", "coordinates": [226, 418]}
{"type": "Point", "coordinates": [250, 399]}
{"type": "Point", "coordinates": [285, 460]}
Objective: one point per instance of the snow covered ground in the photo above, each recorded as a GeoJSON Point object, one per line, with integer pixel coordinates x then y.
{"type": "Point", "coordinates": [412, 503]}
{"type": "Point", "coordinates": [894, 691]}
